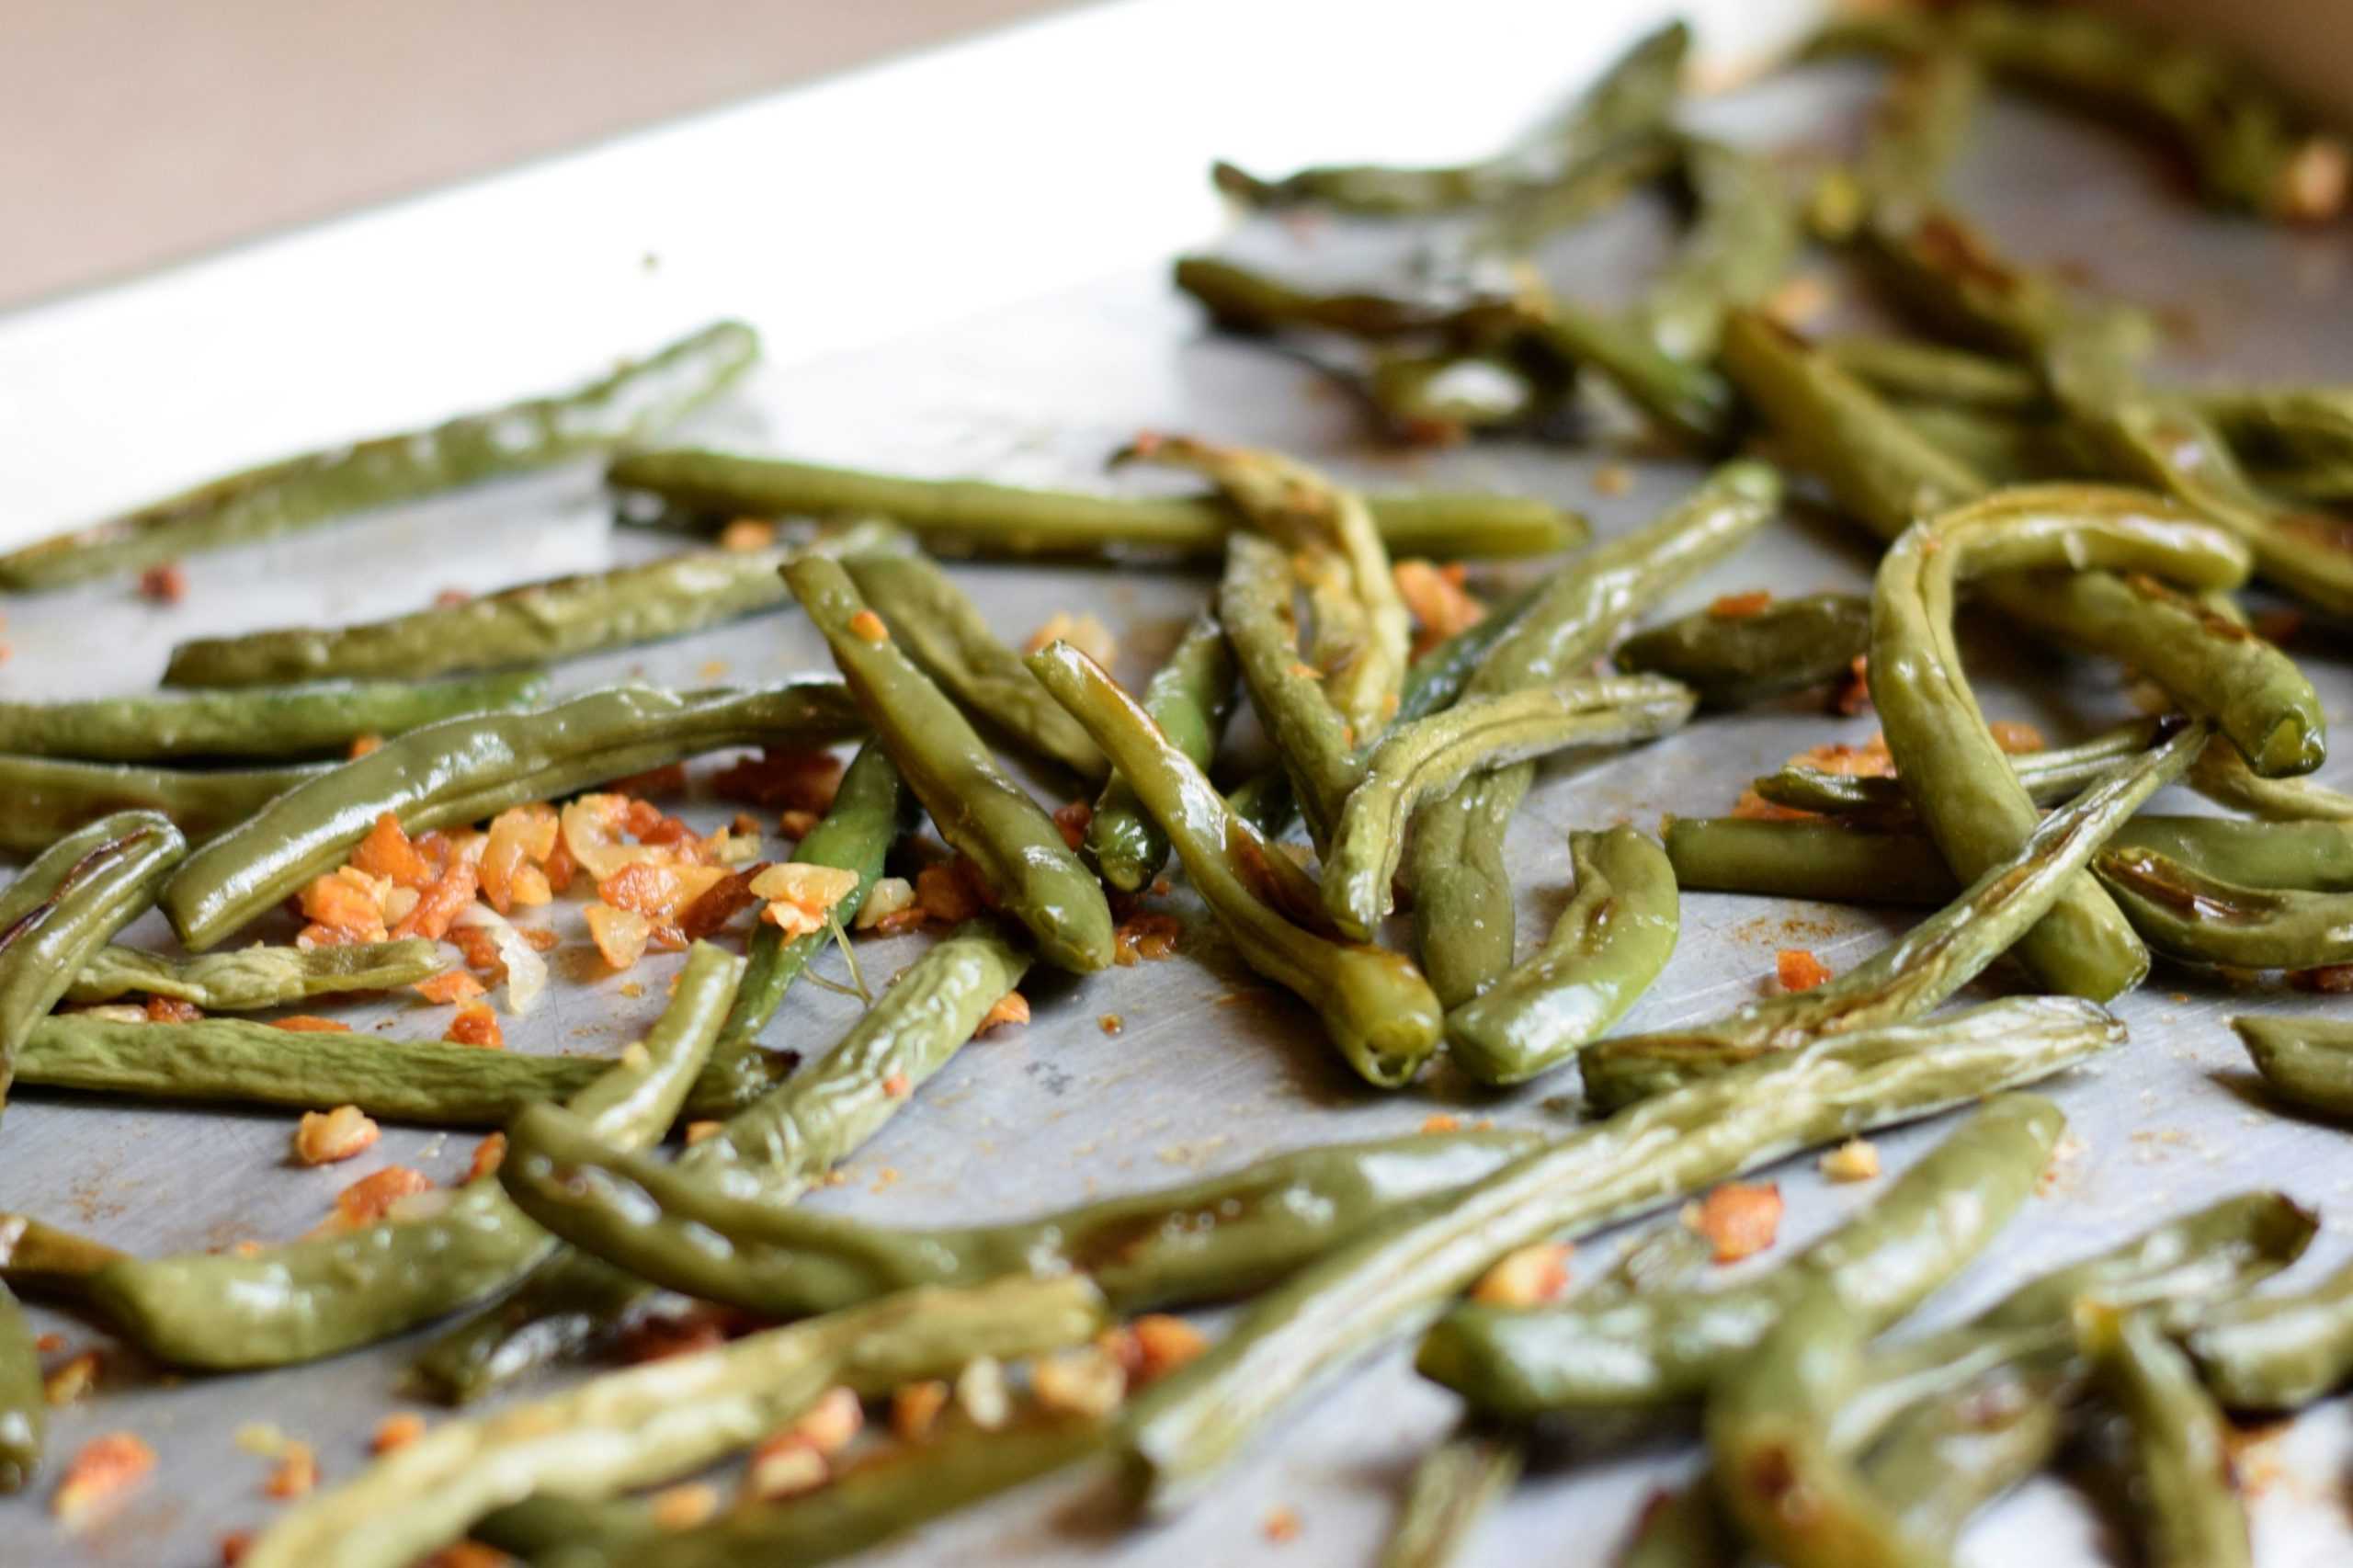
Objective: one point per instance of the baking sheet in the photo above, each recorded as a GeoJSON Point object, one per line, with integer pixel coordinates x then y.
{"type": "Point", "coordinates": [1211, 1068]}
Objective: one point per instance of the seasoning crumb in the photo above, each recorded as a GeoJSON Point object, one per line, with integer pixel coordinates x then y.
{"type": "Point", "coordinates": [1526, 1276]}
{"type": "Point", "coordinates": [475, 1025]}
{"type": "Point", "coordinates": [1740, 1219]}
{"type": "Point", "coordinates": [105, 1468]}
{"type": "Point", "coordinates": [1164, 1344]}
{"type": "Point", "coordinates": [72, 1380]}
{"type": "Point", "coordinates": [1739, 607]}
{"type": "Point", "coordinates": [915, 1407]}
{"type": "Point", "coordinates": [165, 584]}
{"type": "Point", "coordinates": [1073, 818]}
{"type": "Point", "coordinates": [1441, 1122]}
{"type": "Point", "coordinates": [684, 1506]}
{"type": "Point", "coordinates": [698, 1131]}
{"type": "Point", "coordinates": [1614, 479]}
{"type": "Point", "coordinates": [1010, 1008]}
{"type": "Point", "coordinates": [297, 1472]}
{"type": "Point", "coordinates": [1081, 1382]}
{"type": "Point", "coordinates": [1282, 1524]}
{"type": "Point", "coordinates": [1084, 632]}
{"type": "Point", "coordinates": [868, 627]}
{"type": "Point", "coordinates": [747, 534]}
{"type": "Point", "coordinates": [895, 1086]}
{"type": "Point", "coordinates": [1110, 1023]}
{"type": "Point", "coordinates": [1800, 301]}
{"type": "Point", "coordinates": [1854, 1160]}
{"type": "Point", "coordinates": [396, 1431]}
{"type": "Point", "coordinates": [1798, 970]}
{"type": "Point", "coordinates": [982, 1395]}
{"type": "Point", "coordinates": [322, 1138]}
{"type": "Point", "coordinates": [632, 989]}
{"type": "Point", "coordinates": [488, 1155]}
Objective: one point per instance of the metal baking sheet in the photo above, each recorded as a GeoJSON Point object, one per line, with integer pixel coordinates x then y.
{"type": "Point", "coordinates": [1210, 1067]}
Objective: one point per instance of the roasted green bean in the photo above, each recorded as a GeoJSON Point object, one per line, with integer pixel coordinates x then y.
{"type": "Point", "coordinates": [2223, 776]}
{"type": "Point", "coordinates": [1668, 1344]}
{"type": "Point", "coordinates": [1734, 660]}
{"type": "Point", "coordinates": [2051, 775]}
{"type": "Point", "coordinates": [2277, 1352]}
{"type": "Point", "coordinates": [651, 1423]}
{"type": "Point", "coordinates": [2306, 1061]}
{"type": "Point", "coordinates": [1452, 1488]}
{"type": "Point", "coordinates": [1374, 1004]}
{"type": "Point", "coordinates": [1913, 973]}
{"type": "Point", "coordinates": [1608, 945]}
{"type": "Point", "coordinates": [944, 632]}
{"type": "Point", "coordinates": [1911, 369]}
{"type": "Point", "coordinates": [313, 1298]}
{"type": "Point", "coordinates": [1947, 1457]}
{"type": "Point", "coordinates": [958, 516]}
{"type": "Point", "coordinates": [1390, 1280]}
{"type": "Point", "coordinates": [296, 492]}
{"type": "Point", "coordinates": [2186, 913]}
{"type": "Point", "coordinates": [236, 1062]}
{"type": "Point", "coordinates": [295, 721]}
{"type": "Point", "coordinates": [1426, 758]}
{"type": "Point", "coordinates": [24, 1413]}
{"type": "Point", "coordinates": [1317, 744]}
{"type": "Point", "coordinates": [464, 770]}
{"type": "Point", "coordinates": [2186, 1494]}
{"type": "Point", "coordinates": [1241, 298]}
{"type": "Point", "coordinates": [65, 908]}
{"type": "Point", "coordinates": [47, 798]}
{"type": "Point", "coordinates": [36, 1258]}
{"type": "Point", "coordinates": [1743, 237]}
{"type": "Point", "coordinates": [1687, 399]}
{"type": "Point", "coordinates": [249, 979]}
{"type": "Point", "coordinates": [2299, 440]}
{"type": "Point", "coordinates": [1915, 135]}
{"type": "Point", "coordinates": [776, 1148]}
{"type": "Point", "coordinates": [1189, 699]}
{"type": "Point", "coordinates": [978, 810]}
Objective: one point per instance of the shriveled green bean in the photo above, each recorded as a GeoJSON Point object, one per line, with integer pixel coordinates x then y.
{"type": "Point", "coordinates": [1241, 298]}
{"type": "Point", "coordinates": [2306, 1061]}
{"type": "Point", "coordinates": [1944, 270]}
{"type": "Point", "coordinates": [2189, 1509]}
{"type": "Point", "coordinates": [2223, 775]}
{"type": "Point", "coordinates": [66, 906]}
{"type": "Point", "coordinates": [1915, 135]}
{"type": "Point", "coordinates": [1189, 699]}
{"type": "Point", "coordinates": [1374, 1005]}
{"type": "Point", "coordinates": [250, 979]}
{"type": "Point", "coordinates": [1915, 972]}
{"type": "Point", "coordinates": [1465, 925]}
{"type": "Point", "coordinates": [2299, 440]}
{"type": "Point", "coordinates": [1687, 399]}
{"type": "Point", "coordinates": [238, 1062]}
{"type": "Point", "coordinates": [289, 722]}
{"type": "Point", "coordinates": [467, 769]}
{"type": "Point", "coordinates": [943, 631]}
{"type": "Point", "coordinates": [2277, 1352]}
{"type": "Point", "coordinates": [1391, 1280]}
{"type": "Point", "coordinates": [776, 1148]}
{"type": "Point", "coordinates": [2187, 914]}
{"type": "Point", "coordinates": [2055, 774]}
{"type": "Point", "coordinates": [959, 515]}
{"type": "Point", "coordinates": [1420, 761]}
{"type": "Point", "coordinates": [314, 1298]}
{"type": "Point", "coordinates": [1948, 1458]}
{"type": "Point", "coordinates": [2003, 448]}
{"type": "Point", "coordinates": [978, 810]}
{"type": "Point", "coordinates": [1608, 945]}
{"type": "Point", "coordinates": [1452, 1488]}
{"type": "Point", "coordinates": [1742, 236]}
{"type": "Point", "coordinates": [1733, 660]}
{"type": "Point", "coordinates": [1317, 746]}
{"type": "Point", "coordinates": [47, 798]}
{"type": "Point", "coordinates": [1911, 369]}
{"type": "Point", "coordinates": [41, 1259]}
{"type": "Point", "coordinates": [299, 492]}
{"type": "Point", "coordinates": [669, 1418]}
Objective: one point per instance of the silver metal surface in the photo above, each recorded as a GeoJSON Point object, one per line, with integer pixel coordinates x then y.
{"type": "Point", "coordinates": [1210, 1067]}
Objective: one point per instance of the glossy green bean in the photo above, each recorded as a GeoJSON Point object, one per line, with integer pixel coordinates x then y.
{"type": "Point", "coordinates": [66, 906]}
{"type": "Point", "coordinates": [978, 810]}
{"type": "Point", "coordinates": [1685, 399]}
{"type": "Point", "coordinates": [2190, 1515]}
{"type": "Point", "coordinates": [2187, 914]}
{"type": "Point", "coordinates": [1462, 912]}
{"type": "Point", "coordinates": [24, 1413]}
{"type": "Point", "coordinates": [1391, 1281]}
{"type": "Point", "coordinates": [300, 492]}
{"type": "Point", "coordinates": [1667, 1346]}
{"type": "Point", "coordinates": [1204, 1241]}
{"type": "Point", "coordinates": [2306, 1061]}
{"type": "Point", "coordinates": [1452, 1488]}
{"type": "Point", "coordinates": [436, 1084]}
{"type": "Point", "coordinates": [290, 721]}
{"type": "Point", "coordinates": [41, 1259]}
{"type": "Point", "coordinates": [1241, 298]}
{"type": "Point", "coordinates": [467, 769]}
{"type": "Point", "coordinates": [1611, 942]}
{"type": "Point", "coordinates": [1911, 369]}
{"type": "Point", "coordinates": [871, 811]}
{"type": "Point", "coordinates": [1632, 97]}
{"type": "Point", "coordinates": [961, 515]}
{"type": "Point", "coordinates": [2048, 776]}
{"type": "Point", "coordinates": [2277, 1352]}
{"type": "Point", "coordinates": [2223, 775]}
{"type": "Point", "coordinates": [1426, 758]}
{"type": "Point", "coordinates": [1439, 399]}
{"type": "Point", "coordinates": [1732, 661]}
{"type": "Point", "coordinates": [47, 798]}
{"type": "Point", "coordinates": [1942, 269]}
{"type": "Point", "coordinates": [944, 632]}
{"type": "Point", "coordinates": [668, 1418]}
{"type": "Point", "coordinates": [1915, 972]}
{"type": "Point", "coordinates": [1189, 699]}
{"type": "Point", "coordinates": [533, 623]}
{"type": "Point", "coordinates": [2002, 449]}
{"type": "Point", "coordinates": [1374, 1005]}
{"type": "Point", "coordinates": [774, 1149]}
{"type": "Point", "coordinates": [1957, 778]}
{"type": "Point", "coordinates": [1317, 744]}
{"type": "Point", "coordinates": [333, 1292]}
{"type": "Point", "coordinates": [1915, 134]}
{"type": "Point", "coordinates": [1743, 237]}
{"type": "Point", "coordinates": [1948, 1458]}
{"type": "Point", "coordinates": [2299, 440]}
{"type": "Point", "coordinates": [249, 979]}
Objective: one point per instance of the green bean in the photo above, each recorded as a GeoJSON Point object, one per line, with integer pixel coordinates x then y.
{"type": "Point", "coordinates": [1439, 399]}
{"type": "Point", "coordinates": [533, 623]}
{"type": "Point", "coordinates": [2188, 1500]}
{"type": "Point", "coordinates": [1667, 1346]}
{"type": "Point", "coordinates": [1435, 678]}
{"type": "Point", "coordinates": [1631, 98]}
{"type": "Point", "coordinates": [38, 1258]}
{"type": "Point", "coordinates": [1944, 270]}
{"type": "Point", "coordinates": [1682, 1529]}
{"type": "Point", "coordinates": [1452, 1489]}
{"type": "Point", "coordinates": [872, 812]}
{"type": "Point", "coordinates": [253, 978]}
{"type": "Point", "coordinates": [2003, 448]}
{"type": "Point", "coordinates": [2223, 775]}
{"type": "Point", "coordinates": [1910, 975]}
{"type": "Point", "coordinates": [237, 1061]}
{"type": "Point", "coordinates": [1374, 1005]}
{"type": "Point", "coordinates": [774, 1149]}
{"type": "Point", "coordinates": [1391, 1281]}
{"type": "Point", "coordinates": [2277, 1352]}
{"type": "Point", "coordinates": [1948, 1458]}
{"type": "Point", "coordinates": [65, 906]}
{"type": "Point", "coordinates": [314, 1298]}
{"type": "Point", "coordinates": [464, 770]}
{"type": "Point", "coordinates": [969, 516]}
{"type": "Point", "coordinates": [48, 799]}
{"type": "Point", "coordinates": [1910, 369]}
{"type": "Point", "coordinates": [300, 492]}
{"type": "Point", "coordinates": [2306, 1061]}
{"type": "Point", "coordinates": [2296, 438]}
{"type": "Point", "coordinates": [1317, 744]}
{"type": "Point", "coordinates": [1204, 1241]}
{"type": "Point", "coordinates": [1685, 399]}
{"type": "Point", "coordinates": [1609, 945]}
{"type": "Point", "coordinates": [1241, 300]}
{"type": "Point", "coordinates": [24, 1413]}
{"type": "Point", "coordinates": [668, 1418]}
{"type": "Point", "coordinates": [1427, 758]}
{"type": "Point", "coordinates": [944, 632]}
{"type": "Point", "coordinates": [1916, 134]}
{"type": "Point", "coordinates": [1734, 660]}
{"type": "Point", "coordinates": [2056, 774]}
{"type": "Point", "coordinates": [1462, 913]}
{"type": "Point", "coordinates": [295, 721]}
{"type": "Point", "coordinates": [2187, 914]}
{"type": "Point", "coordinates": [1742, 240]}
{"type": "Point", "coordinates": [1950, 768]}
{"type": "Point", "coordinates": [1189, 699]}
{"type": "Point", "coordinates": [1513, 226]}
{"type": "Point", "coordinates": [978, 810]}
